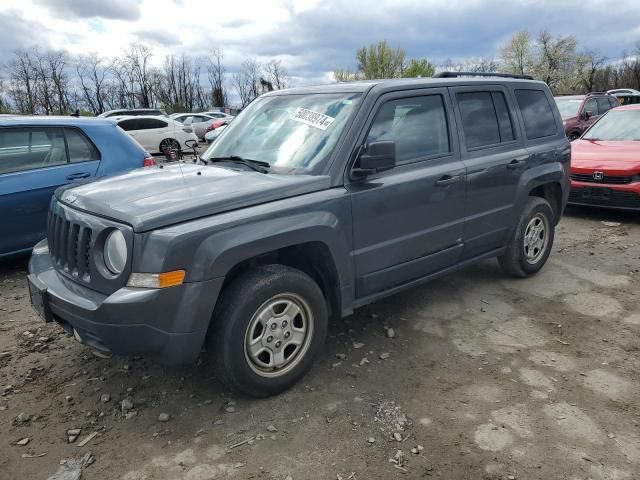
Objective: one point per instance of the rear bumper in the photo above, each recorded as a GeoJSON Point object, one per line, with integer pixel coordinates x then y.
{"type": "Point", "coordinates": [168, 325]}
{"type": "Point", "coordinates": [621, 197]}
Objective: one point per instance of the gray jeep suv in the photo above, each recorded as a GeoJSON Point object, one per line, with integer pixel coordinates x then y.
{"type": "Point", "coordinates": [314, 201]}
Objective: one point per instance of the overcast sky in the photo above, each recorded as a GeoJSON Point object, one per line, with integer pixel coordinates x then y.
{"type": "Point", "coordinates": [311, 37]}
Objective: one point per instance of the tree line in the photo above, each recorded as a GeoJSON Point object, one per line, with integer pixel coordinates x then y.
{"type": "Point", "coordinates": [54, 82]}
{"type": "Point", "coordinates": [556, 60]}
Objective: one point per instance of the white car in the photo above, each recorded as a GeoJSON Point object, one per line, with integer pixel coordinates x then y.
{"type": "Point", "coordinates": [217, 115]}
{"type": "Point", "coordinates": [198, 121]}
{"type": "Point", "coordinates": [157, 133]}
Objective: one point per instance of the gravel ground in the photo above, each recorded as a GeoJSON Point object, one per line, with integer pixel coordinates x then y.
{"type": "Point", "coordinates": [473, 376]}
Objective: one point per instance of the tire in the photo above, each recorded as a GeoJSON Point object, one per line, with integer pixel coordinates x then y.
{"type": "Point", "coordinates": [527, 251]}
{"type": "Point", "coordinates": [238, 330]}
{"type": "Point", "coordinates": [169, 142]}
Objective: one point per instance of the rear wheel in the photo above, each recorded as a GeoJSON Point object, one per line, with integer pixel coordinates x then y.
{"type": "Point", "coordinates": [169, 144]}
{"type": "Point", "coordinates": [267, 329]}
{"type": "Point", "coordinates": [531, 243]}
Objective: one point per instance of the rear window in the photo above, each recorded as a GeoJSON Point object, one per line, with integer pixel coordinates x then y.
{"type": "Point", "coordinates": [536, 111]}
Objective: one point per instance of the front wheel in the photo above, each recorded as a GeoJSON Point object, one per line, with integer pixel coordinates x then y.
{"type": "Point", "coordinates": [531, 242]}
{"type": "Point", "coordinates": [267, 329]}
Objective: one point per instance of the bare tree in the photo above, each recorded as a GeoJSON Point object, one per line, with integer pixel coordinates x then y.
{"type": "Point", "coordinates": [594, 62]}
{"type": "Point", "coordinates": [216, 76]}
{"type": "Point", "coordinates": [92, 77]}
{"type": "Point", "coordinates": [22, 73]}
{"type": "Point", "coordinates": [247, 81]}
{"type": "Point", "coordinates": [276, 74]}
{"type": "Point", "coordinates": [137, 61]}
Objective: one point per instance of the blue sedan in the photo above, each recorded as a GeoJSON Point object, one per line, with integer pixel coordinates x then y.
{"type": "Point", "coordinates": [39, 154]}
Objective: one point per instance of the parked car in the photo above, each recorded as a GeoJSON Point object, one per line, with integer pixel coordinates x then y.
{"type": "Point", "coordinates": [623, 91]}
{"type": "Point", "coordinates": [581, 111]}
{"type": "Point", "coordinates": [627, 98]}
{"type": "Point", "coordinates": [605, 162]}
{"type": "Point", "coordinates": [39, 154]}
{"type": "Point", "coordinates": [156, 134]}
{"type": "Point", "coordinates": [212, 135]}
{"type": "Point", "coordinates": [315, 201]}
{"type": "Point", "coordinates": [199, 122]}
{"type": "Point", "coordinates": [219, 115]}
{"type": "Point", "coordinates": [131, 112]}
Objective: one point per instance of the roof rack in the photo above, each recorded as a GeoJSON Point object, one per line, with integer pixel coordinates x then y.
{"type": "Point", "coordinates": [481, 74]}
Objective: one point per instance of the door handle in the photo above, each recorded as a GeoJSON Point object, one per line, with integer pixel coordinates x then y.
{"type": "Point", "coordinates": [513, 164]}
{"type": "Point", "coordinates": [447, 180]}
{"type": "Point", "coordinates": [78, 176]}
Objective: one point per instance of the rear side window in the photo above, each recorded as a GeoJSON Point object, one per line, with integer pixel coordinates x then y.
{"type": "Point", "coordinates": [149, 123]}
{"type": "Point", "coordinates": [417, 125]}
{"type": "Point", "coordinates": [479, 119]}
{"type": "Point", "coordinates": [80, 147]}
{"type": "Point", "coordinates": [539, 120]}
{"type": "Point", "coordinates": [31, 148]}
{"type": "Point", "coordinates": [127, 125]}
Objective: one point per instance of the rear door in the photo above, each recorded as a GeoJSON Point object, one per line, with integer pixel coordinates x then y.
{"type": "Point", "coordinates": [34, 161]}
{"type": "Point", "coordinates": [408, 221]}
{"type": "Point", "coordinates": [494, 156]}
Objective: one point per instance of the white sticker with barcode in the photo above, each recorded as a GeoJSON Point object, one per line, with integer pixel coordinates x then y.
{"type": "Point", "coordinates": [315, 119]}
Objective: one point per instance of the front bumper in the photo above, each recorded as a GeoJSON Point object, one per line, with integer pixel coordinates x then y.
{"type": "Point", "coordinates": [622, 197]}
{"type": "Point", "coordinates": [168, 325]}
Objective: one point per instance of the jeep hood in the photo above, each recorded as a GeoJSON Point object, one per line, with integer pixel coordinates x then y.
{"type": "Point", "coordinates": [151, 198]}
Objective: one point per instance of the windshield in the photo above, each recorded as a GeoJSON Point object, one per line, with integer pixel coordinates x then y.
{"type": "Point", "coordinates": [292, 132]}
{"type": "Point", "coordinates": [568, 107]}
{"type": "Point", "coordinates": [616, 125]}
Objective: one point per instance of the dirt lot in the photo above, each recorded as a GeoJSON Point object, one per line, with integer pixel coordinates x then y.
{"type": "Point", "coordinates": [493, 378]}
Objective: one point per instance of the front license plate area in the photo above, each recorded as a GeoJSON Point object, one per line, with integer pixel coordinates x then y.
{"type": "Point", "coordinates": [603, 194]}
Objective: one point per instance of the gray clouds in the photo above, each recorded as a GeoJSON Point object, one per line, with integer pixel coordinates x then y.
{"type": "Point", "coordinates": [111, 9]}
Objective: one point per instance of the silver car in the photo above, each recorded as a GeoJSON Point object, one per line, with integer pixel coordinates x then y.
{"type": "Point", "coordinates": [198, 121]}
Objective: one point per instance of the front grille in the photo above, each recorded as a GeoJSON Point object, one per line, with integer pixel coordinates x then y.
{"type": "Point", "coordinates": [70, 245]}
{"type": "Point", "coordinates": [604, 197]}
{"type": "Point", "coordinates": [608, 179]}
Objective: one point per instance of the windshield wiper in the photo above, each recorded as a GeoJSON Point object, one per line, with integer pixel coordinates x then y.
{"type": "Point", "coordinates": [256, 165]}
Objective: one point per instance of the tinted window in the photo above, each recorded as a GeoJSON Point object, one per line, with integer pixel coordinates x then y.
{"type": "Point", "coordinates": [31, 148]}
{"type": "Point", "coordinates": [131, 124]}
{"type": "Point", "coordinates": [504, 117]}
{"type": "Point", "coordinates": [79, 146]}
{"type": "Point", "coordinates": [149, 123]}
{"type": "Point", "coordinates": [603, 105]}
{"type": "Point", "coordinates": [614, 102]}
{"type": "Point", "coordinates": [479, 119]}
{"type": "Point", "coordinates": [417, 125]}
{"type": "Point", "coordinates": [537, 114]}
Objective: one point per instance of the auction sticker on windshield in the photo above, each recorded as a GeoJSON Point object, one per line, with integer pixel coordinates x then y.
{"type": "Point", "coordinates": [315, 119]}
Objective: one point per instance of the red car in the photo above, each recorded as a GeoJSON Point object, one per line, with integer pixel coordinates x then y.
{"type": "Point", "coordinates": [218, 123]}
{"type": "Point", "coordinates": [605, 162]}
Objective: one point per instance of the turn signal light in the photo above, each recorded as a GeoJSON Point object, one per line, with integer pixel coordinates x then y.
{"type": "Point", "coordinates": [156, 280]}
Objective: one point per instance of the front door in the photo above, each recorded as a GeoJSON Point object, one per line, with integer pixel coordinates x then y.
{"type": "Point", "coordinates": [408, 221]}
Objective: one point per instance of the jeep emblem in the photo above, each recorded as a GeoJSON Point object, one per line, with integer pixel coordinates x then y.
{"type": "Point", "coordinates": [598, 175]}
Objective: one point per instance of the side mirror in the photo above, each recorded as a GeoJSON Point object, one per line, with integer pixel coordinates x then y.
{"type": "Point", "coordinates": [588, 114]}
{"type": "Point", "coordinates": [376, 157]}
{"type": "Point", "coordinates": [188, 121]}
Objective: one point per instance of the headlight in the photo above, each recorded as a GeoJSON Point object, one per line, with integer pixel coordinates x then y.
{"type": "Point", "coordinates": [115, 252]}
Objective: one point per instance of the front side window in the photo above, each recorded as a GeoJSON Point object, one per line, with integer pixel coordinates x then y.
{"type": "Point", "coordinates": [80, 147]}
{"type": "Point", "coordinates": [31, 148]}
{"type": "Point", "coordinates": [603, 105]}
{"type": "Point", "coordinates": [128, 125]}
{"type": "Point", "coordinates": [591, 106]}
{"type": "Point", "coordinates": [296, 133]}
{"type": "Point", "coordinates": [417, 126]}
{"type": "Point", "coordinates": [539, 120]}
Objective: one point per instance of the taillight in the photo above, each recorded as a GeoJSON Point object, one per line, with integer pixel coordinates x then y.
{"type": "Point", "coordinates": [148, 161]}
